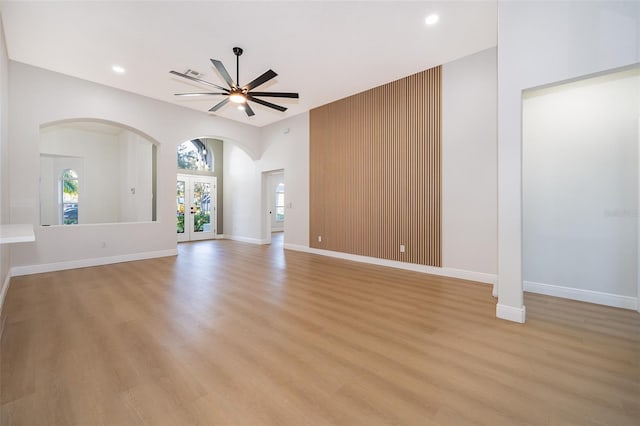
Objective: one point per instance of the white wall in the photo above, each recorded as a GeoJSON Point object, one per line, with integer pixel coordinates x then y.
{"type": "Point", "coordinates": [135, 178]}
{"type": "Point", "coordinates": [49, 199]}
{"type": "Point", "coordinates": [580, 184]}
{"type": "Point", "coordinates": [37, 97]}
{"type": "Point", "coordinates": [469, 164]}
{"type": "Point", "coordinates": [241, 195]}
{"type": "Point", "coordinates": [4, 161]}
{"type": "Point", "coordinates": [541, 43]}
{"type": "Point", "coordinates": [286, 146]}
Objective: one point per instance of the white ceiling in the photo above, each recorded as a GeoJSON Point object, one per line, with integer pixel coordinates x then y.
{"type": "Point", "coordinates": [323, 50]}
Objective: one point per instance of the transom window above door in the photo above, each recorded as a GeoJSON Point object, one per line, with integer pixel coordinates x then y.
{"type": "Point", "coordinates": [196, 155]}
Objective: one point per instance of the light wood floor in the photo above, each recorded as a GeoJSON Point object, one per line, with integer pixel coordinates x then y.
{"type": "Point", "coordinates": [238, 334]}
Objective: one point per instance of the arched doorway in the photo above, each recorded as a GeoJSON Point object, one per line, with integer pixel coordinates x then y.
{"type": "Point", "coordinates": [199, 167]}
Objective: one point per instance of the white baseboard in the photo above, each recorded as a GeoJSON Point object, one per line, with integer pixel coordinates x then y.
{"type": "Point", "coordinates": [511, 313]}
{"type": "Point", "coordinates": [446, 272]}
{"type": "Point", "coordinates": [463, 274]}
{"type": "Point", "coordinates": [247, 239]}
{"type": "Point", "coordinates": [5, 289]}
{"type": "Point", "coordinates": [84, 263]}
{"type": "Point", "coordinates": [600, 298]}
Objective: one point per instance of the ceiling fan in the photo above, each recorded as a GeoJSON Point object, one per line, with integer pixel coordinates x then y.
{"type": "Point", "coordinates": [236, 93]}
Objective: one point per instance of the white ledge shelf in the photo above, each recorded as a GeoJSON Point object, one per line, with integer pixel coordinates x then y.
{"type": "Point", "coordinates": [16, 233]}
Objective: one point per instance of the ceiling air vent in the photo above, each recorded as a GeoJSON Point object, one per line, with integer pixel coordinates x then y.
{"type": "Point", "coordinates": [193, 73]}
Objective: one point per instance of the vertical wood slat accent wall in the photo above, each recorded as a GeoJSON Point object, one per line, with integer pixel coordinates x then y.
{"type": "Point", "coordinates": [375, 178]}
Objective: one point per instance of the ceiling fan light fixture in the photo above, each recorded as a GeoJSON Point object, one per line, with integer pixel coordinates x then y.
{"type": "Point", "coordinates": [236, 93]}
{"type": "Point", "coordinates": [237, 98]}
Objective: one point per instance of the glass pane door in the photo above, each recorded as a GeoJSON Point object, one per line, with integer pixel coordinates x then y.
{"type": "Point", "coordinates": [201, 208]}
{"type": "Point", "coordinates": [196, 207]}
{"type": "Point", "coordinates": [180, 209]}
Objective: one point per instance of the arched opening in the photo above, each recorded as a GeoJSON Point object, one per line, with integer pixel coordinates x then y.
{"type": "Point", "coordinates": [199, 189]}
{"type": "Point", "coordinates": [114, 165]}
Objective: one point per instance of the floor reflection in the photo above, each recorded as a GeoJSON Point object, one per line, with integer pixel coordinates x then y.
{"type": "Point", "coordinates": [276, 250]}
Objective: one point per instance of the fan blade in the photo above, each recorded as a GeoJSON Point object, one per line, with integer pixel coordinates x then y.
{"type": "Point", "coordinates": [276, 94]}
{"type": "Point", "coordinates": [188, 77]}
{"type": "Point", "coordinates": [268, 75]}
{"type": "Point", "coordinates": [248, 110]}
{"type": "Point", "coordinates": [198, 94]}
{"type": "Point", "coordinates": [265, 103]}
{"type": "Point", "coordinates": [223, 72]}
{"type": "Point", "coordinates": [219, 104]}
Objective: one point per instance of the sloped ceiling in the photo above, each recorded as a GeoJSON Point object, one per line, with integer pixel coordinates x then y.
{"type": "Point", "coordinates": [323, 50]}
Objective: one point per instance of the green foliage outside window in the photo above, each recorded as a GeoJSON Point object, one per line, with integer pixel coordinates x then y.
{"type": "Point", "coordinates": [69, 197]}
{"type": "Point", "coordinates": [200, 219]}
{"type": "Point", "coordinates": [187, 157]}
{"type": "Point", "coordinates": [180, 223]}
{"type": "Point", "coordinates": [70, 185]}
{"type": "Point", "coordinates": [195, 155]}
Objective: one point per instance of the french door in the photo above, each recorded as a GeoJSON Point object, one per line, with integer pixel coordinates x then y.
{"type": "Point", "coordinates": [196, 207]}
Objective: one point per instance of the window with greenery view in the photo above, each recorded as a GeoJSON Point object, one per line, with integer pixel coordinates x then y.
{"type": "Point", "coordinates": [202, 207]}
{"type": "Point", "coordinates": [180, 192]}
{"type": "Point", "coordinates": [69, 197]}
{"type": "Point", "coordinates": [195, 155]}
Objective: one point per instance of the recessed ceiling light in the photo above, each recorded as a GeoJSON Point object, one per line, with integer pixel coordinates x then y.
{"type": "Point", "coordinates": [432, 19]}
{"type": "Point", "coordinates": [118, 69]}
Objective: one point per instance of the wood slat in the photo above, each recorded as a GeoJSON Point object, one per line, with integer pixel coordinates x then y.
{"type": "Point", "coordinates": [375, 172]}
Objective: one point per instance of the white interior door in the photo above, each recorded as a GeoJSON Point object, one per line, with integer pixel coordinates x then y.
{"type": "Point", "coordinates": [196, 207]}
